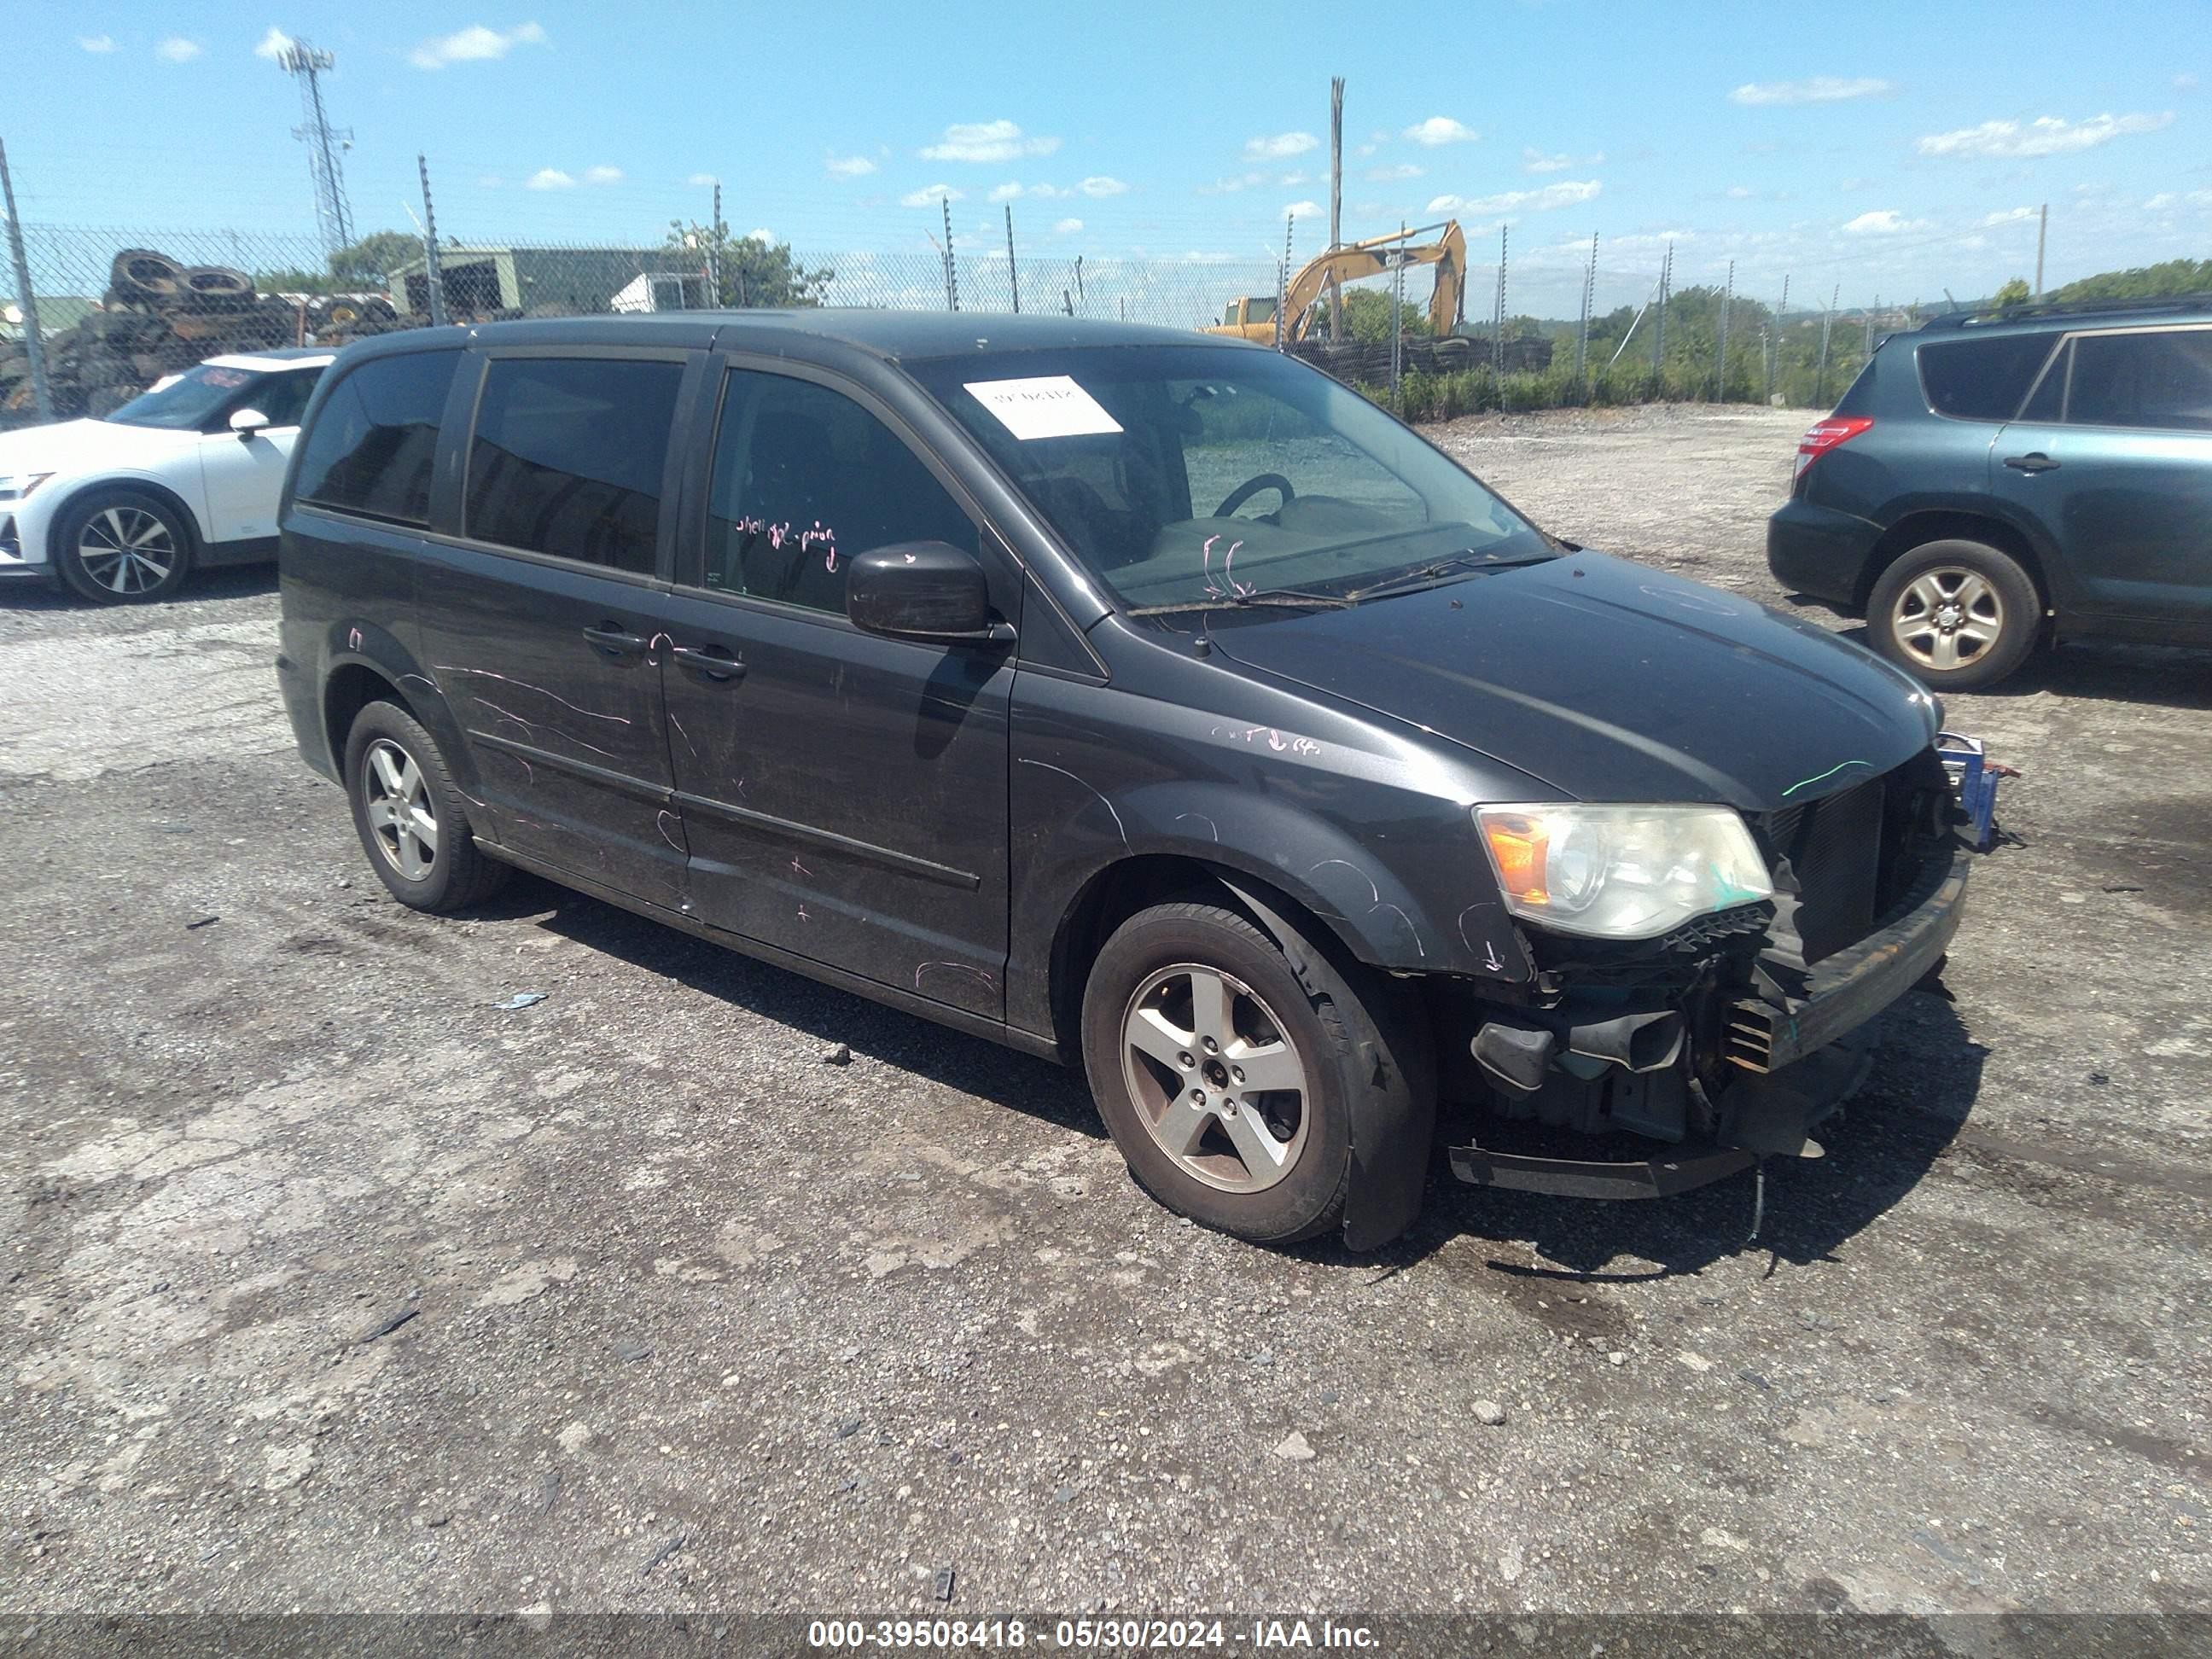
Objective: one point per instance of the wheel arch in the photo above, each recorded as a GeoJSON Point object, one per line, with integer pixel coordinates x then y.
{"type": "Point", "coordinates": [1937, 524]}
{"type": "Point", "coordinates": [1127, 885]}
{"type": "Point", "coordinates": [350, 688]}
{"type": "Point", "coordinates": [165, 494]}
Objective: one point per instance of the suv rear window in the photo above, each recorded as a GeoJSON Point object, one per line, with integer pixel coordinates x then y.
{"type": "Point", "coordinates": [372, 444]}
{"type": "Point", "coordinates": [567, 457]}
{"type": "Point", "coordinates": [1981, 379]}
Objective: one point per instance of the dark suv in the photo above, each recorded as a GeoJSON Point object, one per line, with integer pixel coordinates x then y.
{"type": "Point", "coordinates": [1119, 695]}
{"type": "Point", "coordinates": [1991, 481]}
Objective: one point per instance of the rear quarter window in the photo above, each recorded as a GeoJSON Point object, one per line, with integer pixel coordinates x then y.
{"type": "Point", "coordinates": [1981, 380]}
{"type": "Point", "coordinates": [374, 442]}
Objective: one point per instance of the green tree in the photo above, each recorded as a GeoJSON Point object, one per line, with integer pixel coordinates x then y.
{"type": "Point", "coordinates": [1367, 317]}
{"type": "Point", "coordinates": [753, 272]}
{"type": "Point", "coordinates": [369, 262]}
{"type": "Point", "coordinates": [2144, 282]}
{"type": "Point", "coordinates": [2014, 293]}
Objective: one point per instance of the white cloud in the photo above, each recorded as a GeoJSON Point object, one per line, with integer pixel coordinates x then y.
{"type": "Point", "coordinates": [1564, 194]}
{"type": "Point", "coordinates": [96, 42]}
{"type": "Point", "coordinates": [1014, 190]}
{"type": "Point", "coordinates": [1883, 222]}
{"type": "Point", "coordinates": [1282, 146]}
{"type": "Point", "coordinates": [2047, 134]}
{"type": "Point", "coordinates": [178, 50]}
{"type": "Point", "coordinates": [1740, 193]}
{"type": "Point", "coordinates": [762, 235]}
{"type": "Point", "coordinates": [931, 194]}
{"type": "Point", "coordinates": [1385, 175]}
{"type": "Point", "coordinates": [489, 181]}
{"type": "Point", "coordinates": [1819, 89]}
{"type": "Point", "coordinates": [1441, 129]}
{"type": "Point", "coordinates": [1230, 187]}
{"type": "Point", "coordinates": [1535, 161]}
{"type": "Point", "coordinates": [986, 141]}
{"type": "Point", "coordinates": [474, 45]}
{"type": "Point", "coordinates": [1100, 185]}
{"type": "Point", "coordinates": [850, 166]}
{"type": "Point", "coordinates": [2167, 198]}
{"type": "Point", "coordinates": [1067, 227]}
{"type": "Point", "coordinates": [2183, 81]}
{"type": "Point", "coordinates": [1302, 211]}
{"type": "Point", "coordinates": [274, 44]}
{"type": "Point", "coordinates": [1292, 181]}
{"type": "Point", "coordinates": [549, 178]}
{"type": "Point", "coordinates": [605, 175]}
{"type": "Point", "coordinates": [2009, 217]}
{"type": "Point", "coordinates": [703, 180]}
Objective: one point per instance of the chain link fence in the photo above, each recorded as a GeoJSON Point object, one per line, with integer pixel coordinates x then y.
{"type": "Point", "coordinates": [118, 308]}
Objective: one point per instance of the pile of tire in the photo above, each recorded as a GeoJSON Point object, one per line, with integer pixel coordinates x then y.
{"type": "Point", "coordinates": [158, 316]}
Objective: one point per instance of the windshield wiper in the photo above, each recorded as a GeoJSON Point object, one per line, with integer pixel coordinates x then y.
{"type": "Point", "coordinates": [1287, 598]}
{"type": "Point", "coordinates": [1408, 581]}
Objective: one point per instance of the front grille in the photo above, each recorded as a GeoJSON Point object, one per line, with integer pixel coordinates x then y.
{"type": "Point", "coordinates": [1844, 860]}
{"type": "Point", "coordinates": [1836, 858]}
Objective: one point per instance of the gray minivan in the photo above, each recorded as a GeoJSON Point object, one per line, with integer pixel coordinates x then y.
{"type": "Point", "coordinates": [1143, 700]}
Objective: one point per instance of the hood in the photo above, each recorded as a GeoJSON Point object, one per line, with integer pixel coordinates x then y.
{"type": "Point", "coordinates": [1610, 681]}
{"type": "Point", "coordinates": [66, 445]}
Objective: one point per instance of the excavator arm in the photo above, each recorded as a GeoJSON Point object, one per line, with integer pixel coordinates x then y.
{"type": "Point", "coordinates": [1376, 257]}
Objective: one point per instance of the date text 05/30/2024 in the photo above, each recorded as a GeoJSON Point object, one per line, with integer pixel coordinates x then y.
{"type": "Point", "coordinates": [1118, 1635]}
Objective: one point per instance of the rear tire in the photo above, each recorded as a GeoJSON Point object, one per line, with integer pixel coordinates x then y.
{"type": "Point", "coordinates": [118, 546]}
{"type": "Point", "coordinates": [1956, 615]}
{"type": "Point", "coordinates": [1228, 1080]}
{"type": "Point", "coordinates": [413, 823]}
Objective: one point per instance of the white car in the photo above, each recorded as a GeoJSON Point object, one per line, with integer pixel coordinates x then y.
{"type": "Point", "coordinates": [187, 474]}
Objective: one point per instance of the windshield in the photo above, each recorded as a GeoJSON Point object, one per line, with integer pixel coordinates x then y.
{"type": "Point", "coordinates": [1191, 475]}
{"type": "Point", "coordinates": [190, 401]}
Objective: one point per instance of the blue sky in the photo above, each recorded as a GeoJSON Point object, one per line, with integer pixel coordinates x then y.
{"type": "Point", "coordinates": [1890, 149]}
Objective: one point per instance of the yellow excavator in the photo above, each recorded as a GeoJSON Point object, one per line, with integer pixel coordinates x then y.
{"type": "Point", "coordinates": [1254, 318]}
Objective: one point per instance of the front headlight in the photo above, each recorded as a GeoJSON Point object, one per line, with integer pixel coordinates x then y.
{"type": "Point", "coordinates": [1622, 872]}
{"type": "Point", "coordinates": [21, 484]}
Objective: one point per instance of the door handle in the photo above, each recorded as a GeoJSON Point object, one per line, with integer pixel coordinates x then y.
{"type": "Point", "coordinates": [2034, 461]}
{"type": "Point", "coordinates": [716, 662]}
{"type": "Point", "coordinates": [615, 640]}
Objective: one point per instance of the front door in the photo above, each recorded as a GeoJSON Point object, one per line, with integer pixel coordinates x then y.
{"type": "Point", "coordinates": [243, 475]}
{"type": "Point", "coordinates": [2113, 454]}
{"type": "Point", "coordinates": [843, 795]}
{"type": "Point", "coordinates": [539, 621]}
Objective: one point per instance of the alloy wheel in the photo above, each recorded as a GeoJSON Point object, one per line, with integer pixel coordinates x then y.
{"type": "Point", "coordinates": [1948, 618]}
{"type": "Point", "coordinates": [126, 549]}
{"type": "Point", "coordinates": [396, 798]}
{"type": "Point", "coordinates": [1217, 1082]}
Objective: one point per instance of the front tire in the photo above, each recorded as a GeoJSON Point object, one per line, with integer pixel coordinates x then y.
{"type": "Point", "coordinates": [413, 823]}
{"type": "Point", "coordinates": [1956, 615]}
{"type": "Point", "coordinates": [1228, 1080]}
{"type": "Point", "coordinates": [124, 547]}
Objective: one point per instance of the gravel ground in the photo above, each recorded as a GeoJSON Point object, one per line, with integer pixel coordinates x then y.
{"type": "Point", "coordinates": [332, 1284]}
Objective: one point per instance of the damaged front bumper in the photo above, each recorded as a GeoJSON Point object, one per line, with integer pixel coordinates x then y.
{"type": "Point", "coordinates": [1795, 1047]}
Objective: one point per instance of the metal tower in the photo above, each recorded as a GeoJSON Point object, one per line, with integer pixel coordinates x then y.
{"type": "Point", "coordinates": [325, 143]}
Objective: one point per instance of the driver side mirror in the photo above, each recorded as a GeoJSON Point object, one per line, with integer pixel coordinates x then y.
{"type": "Point", "coordinates": [922, 591]}
{"type": "Point", "coordinates": [248, 423]}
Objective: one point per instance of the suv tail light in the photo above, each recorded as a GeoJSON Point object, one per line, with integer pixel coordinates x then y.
{"type": "Point", "coordinates": [1831, 433]}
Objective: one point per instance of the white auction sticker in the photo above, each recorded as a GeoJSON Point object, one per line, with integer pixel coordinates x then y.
{"type": "Point", "coordinates": [1048, 406]}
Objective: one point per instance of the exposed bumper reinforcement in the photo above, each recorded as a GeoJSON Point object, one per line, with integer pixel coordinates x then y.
{"type": "Point", "coordinates": [1844, 991]}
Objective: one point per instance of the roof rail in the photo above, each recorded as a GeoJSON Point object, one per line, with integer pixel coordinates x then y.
{"type": "Point", "coordinates": [1985, 316]}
